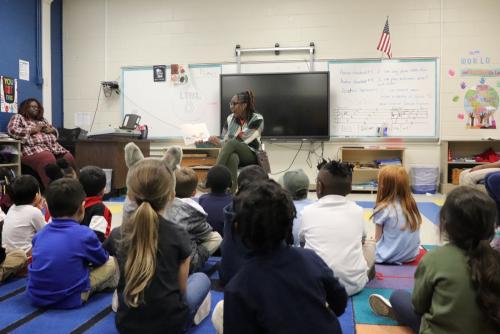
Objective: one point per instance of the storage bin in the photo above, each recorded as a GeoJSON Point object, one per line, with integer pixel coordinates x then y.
{"type": "Point", "coordinates": [109, 175]}
{"type": "Point", "coordinates": [424, 179]}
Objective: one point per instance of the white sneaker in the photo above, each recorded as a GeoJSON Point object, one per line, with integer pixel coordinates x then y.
{"type": "Point", "coordinates": [114, 301]}
{"type": "Point", "coordinates": [381, 306]}
{"type": "Point", "coordinates": [218, 317]}
{"type": "Point", "coordinates": [203, 310]}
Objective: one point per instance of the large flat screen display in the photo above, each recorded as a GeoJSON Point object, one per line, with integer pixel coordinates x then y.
{"type": "Point", "coordinates": [294, 105]}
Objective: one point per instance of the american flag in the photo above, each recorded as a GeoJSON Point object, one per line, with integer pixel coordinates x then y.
{"type": "Point", "coordinates": [384, 44]}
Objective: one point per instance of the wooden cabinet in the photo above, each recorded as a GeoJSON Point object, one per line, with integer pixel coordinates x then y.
{"type": "Point", "coordinates": [11, 159]}
{"type": "Point", "coordinates": [457, 155]}
{"type": "Point", "coordinates": [365, 174]}
{"type": "Point", "coordinates": [108, 153]}
{"type": "Point", "coordinates": [200, 159]}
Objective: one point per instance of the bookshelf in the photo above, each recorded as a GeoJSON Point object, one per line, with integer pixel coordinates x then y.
{"type": "Point", "coordinates": [200, 160]}
{"type": "Point", "coordinates": [457, 155]}
{"type": "Point", "coordinates": [365, 174]}
{"type": "Point", "coordinates": [14, 162]}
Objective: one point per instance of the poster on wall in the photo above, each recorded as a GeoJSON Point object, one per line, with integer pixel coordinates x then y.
{"type": "Point", "coordinates": [159, 73]}
{"type": "Point", "coordinates": [8, 94]}
{"type": "Point", "coordinates": [478, 83]}
{"type": "Point", "coordinates": [178, 74]}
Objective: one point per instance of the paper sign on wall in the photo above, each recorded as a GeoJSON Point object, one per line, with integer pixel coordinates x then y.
{"type": "Point", "coordinates": [83, 119]}
{"type": "Point", "coordinates": [8, 94]}
{"type": "Point", "coordinates": [24, 70]}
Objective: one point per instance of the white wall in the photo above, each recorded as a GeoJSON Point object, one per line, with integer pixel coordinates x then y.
{"type": "Point", "coordinates": [100, 36]}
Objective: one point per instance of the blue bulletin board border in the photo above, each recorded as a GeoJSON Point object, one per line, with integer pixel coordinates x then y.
{"type": "Point", "coordinates": [435, 137]}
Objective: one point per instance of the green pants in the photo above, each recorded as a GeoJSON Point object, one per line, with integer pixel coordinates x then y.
{"type": "Point", "coordinates": [236, 154]}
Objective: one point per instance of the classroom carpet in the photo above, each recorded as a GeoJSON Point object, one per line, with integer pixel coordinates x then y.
{"type": "Point", "coordinates": [96, 317]}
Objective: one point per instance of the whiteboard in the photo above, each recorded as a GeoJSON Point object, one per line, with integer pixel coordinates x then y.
{"type": "Point", "coordinates": [398, 94]}
{"type": "Point", "coordinates": [364, 94]}
{"type": "Point", "coordinates": [165, 106]}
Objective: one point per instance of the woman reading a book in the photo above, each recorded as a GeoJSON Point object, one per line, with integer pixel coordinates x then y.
{"type": "Point", "coordinates": [240, 135]}
{"type": "Point", "coordinates": [39, 146]}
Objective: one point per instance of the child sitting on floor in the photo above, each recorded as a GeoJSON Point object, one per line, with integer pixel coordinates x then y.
{"type": "Point", "coordinates": [296, 183]}
{"type": "Point", "coordinates": [457, 285]}
{"type": "Point", "coordinates": [24, 218]}
{"type": "Point", "coordinates": [54, 172]}
{"type": "Point", "coordinates": [172, 157]}
{"type": "Point", "coordinates": [97, 215]}
{"type": "Point", "coordinates": [234, 253]}
{"type": "Point", "coordinates": [219, 182]}
{"type": "Point", "coordinates": [187, 213]}
{"type": "Point", "coordinates": [333, 227]}
{"type": "Point", "coordinates": [14, 261]}
{"type": "Point", "coordinates": [281, 289]}
{"type": "Point", "coordinates": [69, 263]}
{"type": "Point", "coordinates": [155, 294]}
{"type": "Point", "coordinates": [396, 217]}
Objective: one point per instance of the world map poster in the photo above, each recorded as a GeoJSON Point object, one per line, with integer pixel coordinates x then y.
{"type": "Point", "coordinates": [478, 82]}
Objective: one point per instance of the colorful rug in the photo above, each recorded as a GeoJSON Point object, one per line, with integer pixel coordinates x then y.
{"type": "Point", "coordinates": [428, 209]}
{"type": "Point", "coordinates": [18, 316]}
{"type": "Point", "coordinates": [96, 317]}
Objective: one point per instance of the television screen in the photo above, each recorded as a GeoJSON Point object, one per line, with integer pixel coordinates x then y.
{"type": "Point", "coordinates": [294, 105]}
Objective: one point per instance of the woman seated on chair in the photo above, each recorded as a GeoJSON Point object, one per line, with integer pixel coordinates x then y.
{"type": "Point", "coordinates": [240, 135]}
{"type": "Point", "coordinates": [38, 138]}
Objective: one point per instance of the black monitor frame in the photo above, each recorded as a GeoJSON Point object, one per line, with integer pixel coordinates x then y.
{"type": "Point", "coordinates": [224, 105]}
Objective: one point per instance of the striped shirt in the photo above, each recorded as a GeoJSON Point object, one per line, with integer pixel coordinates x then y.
{"type": "Point", "coordinates": [247, 131]}
{"type": "Point", "coordinates": [32, 143]}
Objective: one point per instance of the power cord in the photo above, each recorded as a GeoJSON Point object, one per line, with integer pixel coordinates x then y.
{"type": "Point", "coordinates": [96, 108]}
{"type": "Point", "coordinates": [293, 160]}
{"type": "Point", "coordinates": [318, 156]}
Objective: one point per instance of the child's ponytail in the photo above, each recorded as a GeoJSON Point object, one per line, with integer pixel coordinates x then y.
{"type": "Point", "coordinates": [140, 265]}
{"type": "Point", "coordinates": [468, 221]}
{"type": "Point", "coordinates": [484, 264]}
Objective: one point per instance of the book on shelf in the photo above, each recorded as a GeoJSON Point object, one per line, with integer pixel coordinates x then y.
{"type": "Point", "coordinates": [195, 155]}
{"type": "Point", "coordinates": [365, 186]}
{"type": "Point", "coordinates": [4, 135]}
{"type": "Point", "coordinates": [464, 160]}
{"type": "Point", "coordinates": [386, 162]}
